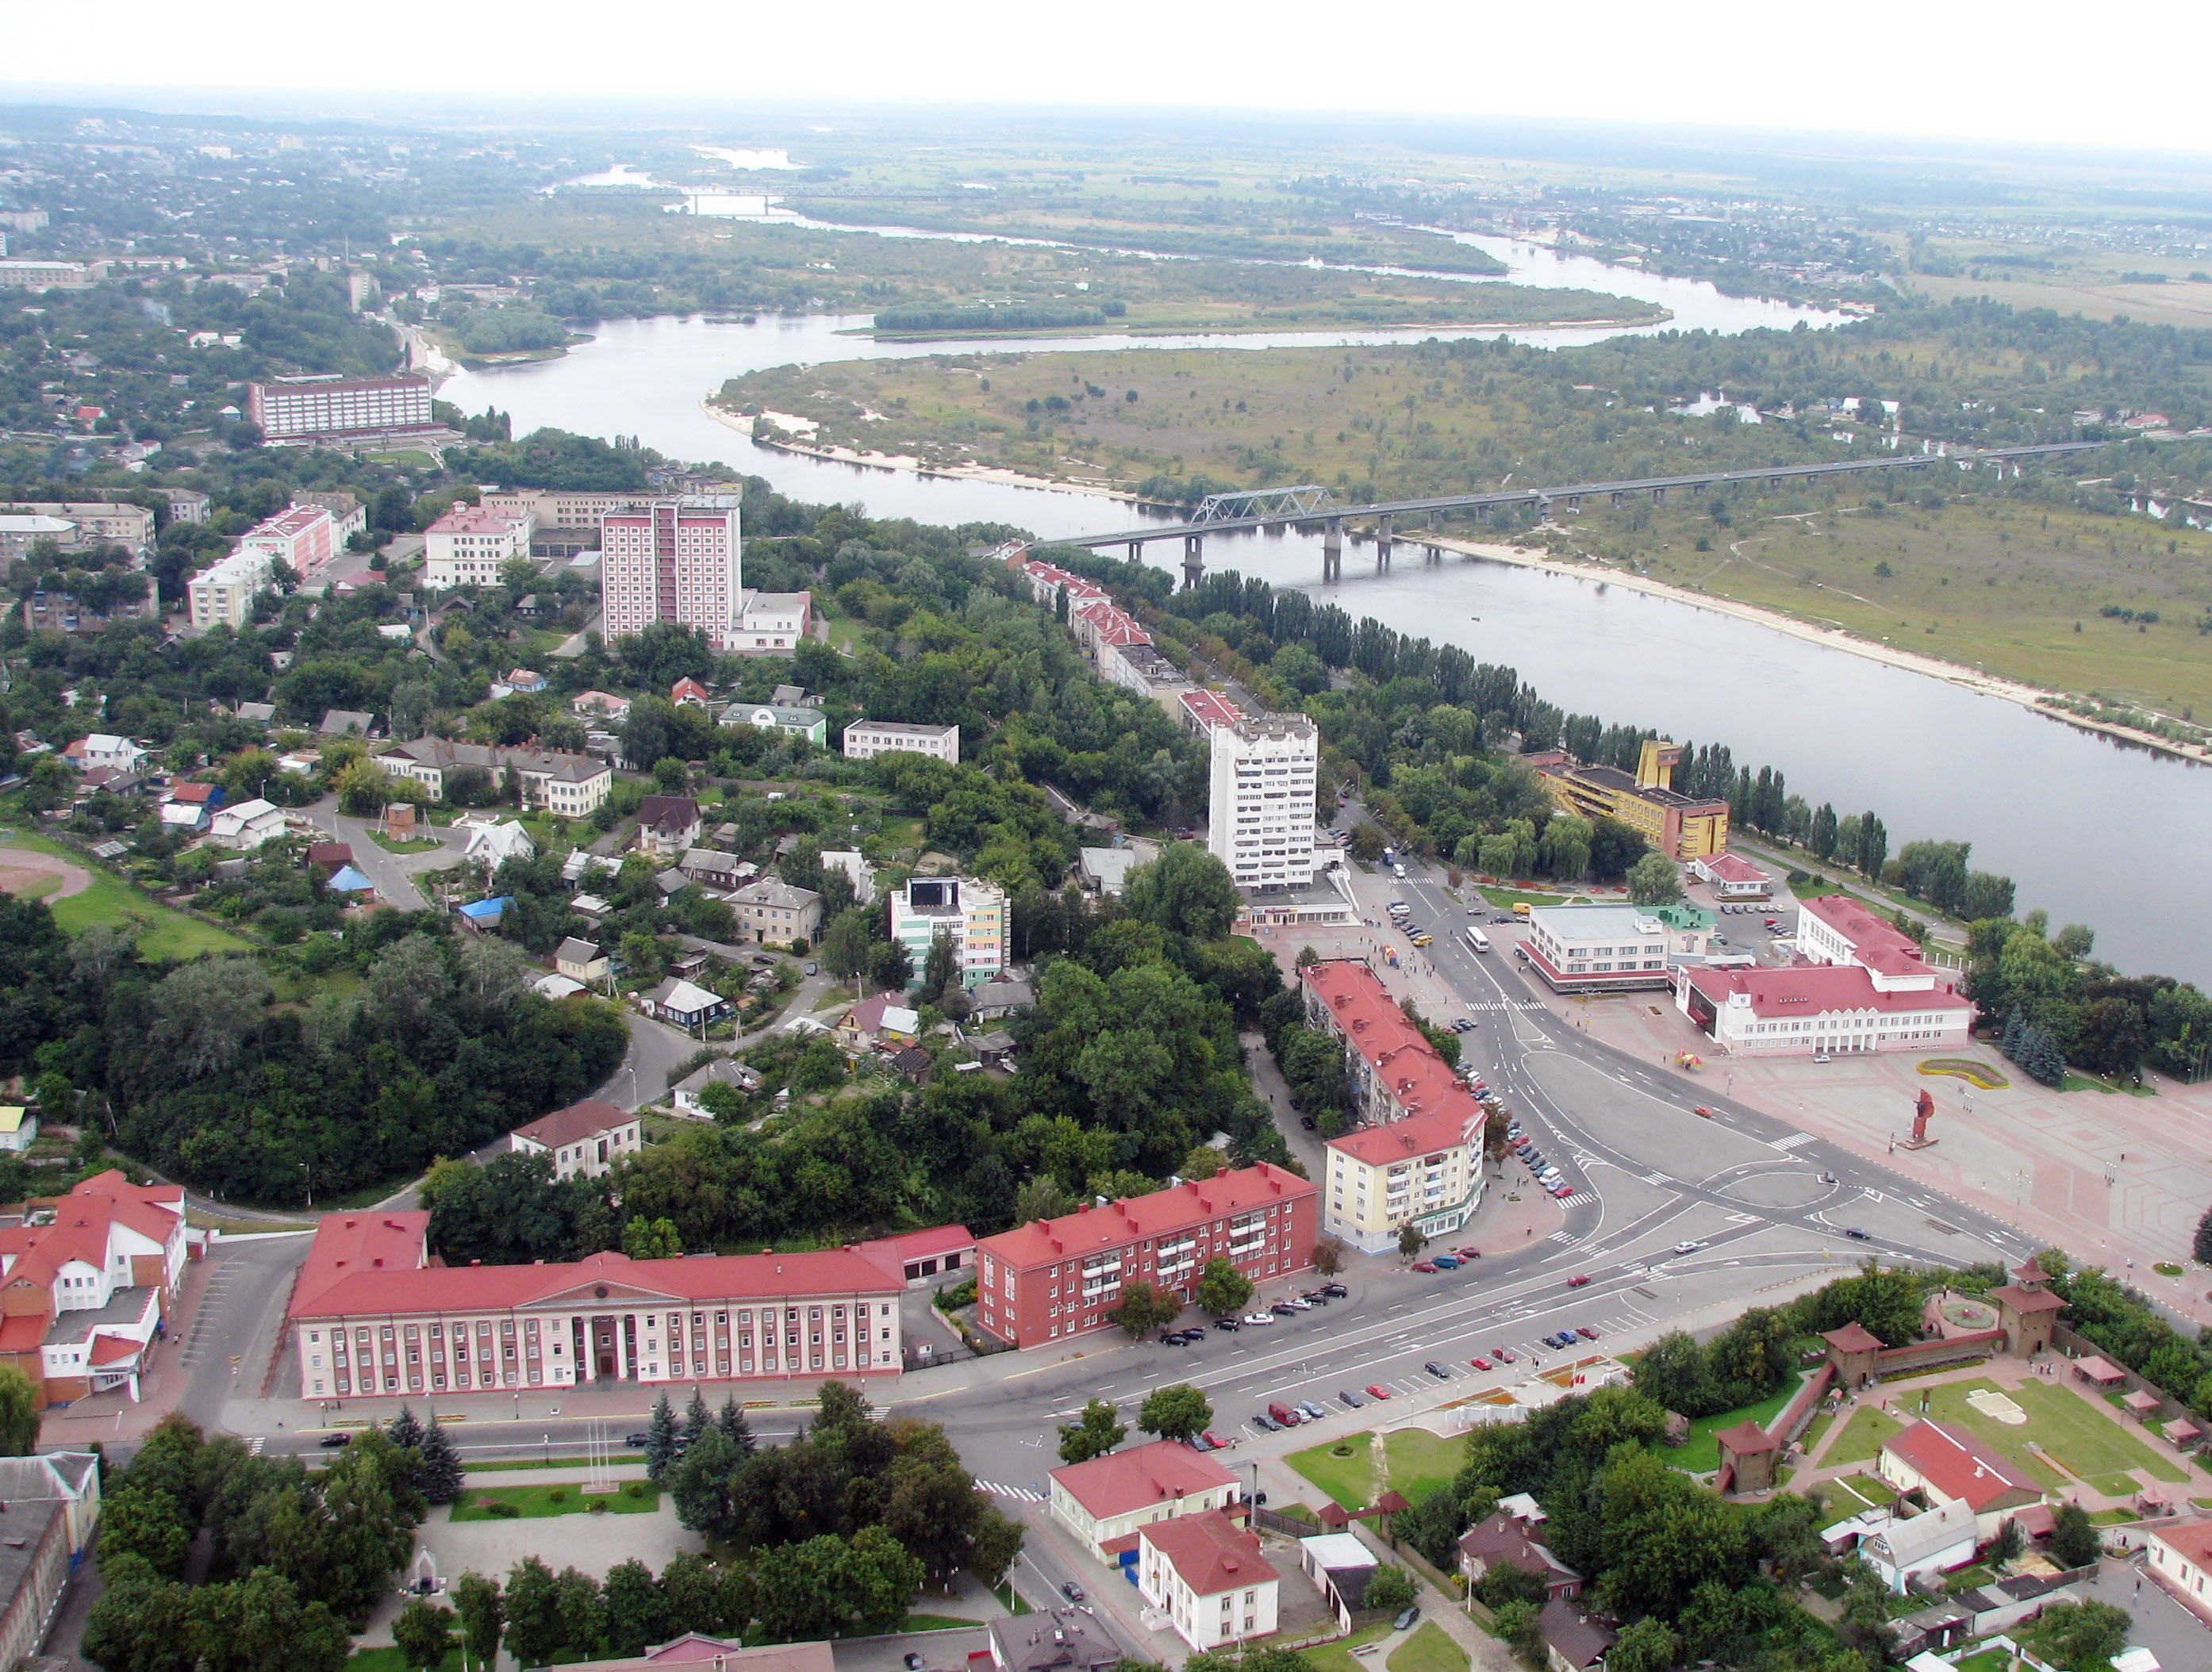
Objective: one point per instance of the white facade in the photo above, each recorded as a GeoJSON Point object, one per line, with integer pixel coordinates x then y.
{"type": "Point", "coordinates": [247, 826]}
{"type": "Point", "coordinates": [866, 739]}
{"type": "Point", "coordinates": [28, 274]}
{"type": "Point", "coordinates": [469, 546]}
{"type": "Point", "coordinates": [223, 596]}
{"type": "Point", "coordinates": [674, 559]}
{"type": "Point", "coordinates": [973, 912]}
{"type": "Point", "coordinates": [302, 409]}
{"type": "Point", "coordinates": [104, 748]}
{"type": "Point", "coordinates": [1110, 1497]}
{"type": "Point", "coordinates": [771, 620]}
{"type": "Point", "coordinates": [1598, 940]}
{"type": "Point", "coordinates": [1261, 806]}
{"type": "Point", "coordinates": [1210, 1579]}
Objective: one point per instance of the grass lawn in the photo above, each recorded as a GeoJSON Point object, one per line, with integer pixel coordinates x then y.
{"type": "Point", "coordinates": [163, 933]}
{"type": "Point", "coordinates": [388, 1659]}
{"type": "Point", "coordinates": [939, 1622]}
{"type": "Point", "coordinates": [1350, 1480]}
{"type": "Point", "coordinates": [1816, 1431]}
{"type": "Point", "coordinates": [1849, 1495]}
{"type": "Point", "coordinates": [1862, 1437]}
{"type": "Point", "coordinates": [536, 1502]}
{"type": "Point", "coordinates": [1337, 1656]}
{"type": "Point", "coordinates": [2067, 1426]}
{"type": "Point", "coordinates": [1420, 1462]}
{"type": "Point", "coordinates": [1701, 1452]}
{"type": "Point", "coordinates": [1986, 1660]}
{"type": "Point", "coordinates": [506, 1464]}
{"type": "Point", "coordinates": [404, 844]}
{"type": "Point", "coordinates": [1428, 1649]}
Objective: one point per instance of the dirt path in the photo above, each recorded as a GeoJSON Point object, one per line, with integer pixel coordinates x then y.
{"type": "Point", "coordinates": [21, 867]}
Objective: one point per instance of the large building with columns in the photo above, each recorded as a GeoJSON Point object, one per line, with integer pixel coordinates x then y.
{"type": "Point", "coordinates": [371, 1317]}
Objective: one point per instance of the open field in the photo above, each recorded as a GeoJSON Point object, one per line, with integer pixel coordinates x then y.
{"type": "Point", "coordinates": [2066, 1427]}
{"type": "Point", "coordinates": [1349, 1479]}
{"type": "Point", "coordinates": [1337, 1656]}
{"type": "Point", "coordinates": [163, 933]}
{"type": "Point", "coordinates": [1428, 1649]}
{"type": "Point", "coordinates": [1420, 1462]}
{"type": "Point", "coordinates": [1861, 1437]}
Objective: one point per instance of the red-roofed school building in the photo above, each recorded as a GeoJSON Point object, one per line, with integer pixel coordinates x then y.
{"type": "Point", "coordinates": [1050, 1279]}
{"type": "Point", "coordinates": [371, 1316]}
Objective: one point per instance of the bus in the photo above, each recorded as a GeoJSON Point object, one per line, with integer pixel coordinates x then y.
{"type": "Point", "coordinates": [1476, 939]}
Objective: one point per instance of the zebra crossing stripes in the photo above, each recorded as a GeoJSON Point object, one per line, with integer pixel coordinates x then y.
{"type": "Point", "coordinates": [1019, 1494]}
{"type": "Point", "coordinates": [1795, 1140]}
{"type": "Point", "coordinates": [253, 1446]}
{"type": "Point", "coordinates": [1567, 1236]}
{"type": "Point", "coordinates": [1577, 1199]}
{"type": "Point", "coordinates": [1655, 1178]}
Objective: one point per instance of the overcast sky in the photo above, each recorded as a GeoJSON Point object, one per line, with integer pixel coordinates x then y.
{"type": "Point", "coordinates": [2024, 69]}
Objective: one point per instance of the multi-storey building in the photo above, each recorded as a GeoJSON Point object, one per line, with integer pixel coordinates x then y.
{"type": "Point", "coordinates": [1044, 1282]}
{"type": "Point", "coordinates": [98, 522]}
{"type": "Point", "coordinates": [1418, 1157]}
{"type": "Point", "coordinates": [771, 621]}
{"type": "Point", "coordinates": [1103, 1500]}
{"type": "Point", "coordinates": [1206, 1574]}
{"type": "Point", "coordinates": [301, 538]}
{"type": "Point", "coordinates": [223, 596]}
{"type": "Point", "coordinates": [585, 1140]}
{"type": "Point", "coordinates": [1597, 949]}
{"type": "Point", "coordinates": [1202, 710]}
{"type": "Point", "coordinates": [469, 546]}
{"type": "Point", "coordinates": [866, 739]}
{"type": "Point", "coordinates": [25, 274]}
{"type": "Point", "coordinates": [1680, 826]}
{"type": "Point", "coordinates": [775, 913]}
{"type": "Point", "coordinates": [297, 411]}
{"type": "Point", "coordinates": [676, 560]}
{"type": "Point", "coordinates": [370, 1316]}
{"type": "Point", "coordinates": [571, 785]}
{"type": "Point", "coordinates": [1260, 811]}
{"type": "Point", "coordinates": [972, 913]}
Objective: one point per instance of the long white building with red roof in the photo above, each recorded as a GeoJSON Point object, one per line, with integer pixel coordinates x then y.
{"type": "Point", "coordinates": [1417, 1158]}
{"type": "Point", "coordinates": [86, 1282]}
{"type": "Point", "coordinates": [1867, 989]}
{"type": "Point", "coordinates": [372, 1316]}
{"type": "Point", "coordinates": [1041, 1282]}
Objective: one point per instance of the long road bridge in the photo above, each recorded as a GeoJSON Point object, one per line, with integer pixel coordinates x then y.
{"type": "Point", "coordinates": [1310, 503]}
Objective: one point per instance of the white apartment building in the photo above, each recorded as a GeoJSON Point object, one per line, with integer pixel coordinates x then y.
{"type": "Point", "coordinates": [1206, 1574]}
{"type": "Point", "coordinates": [328, 408]}
{"type": "Point", "coordinates": [92, 522]}
{"type": "Point", "coordinates": [469, 546]}
{"type": "Point", "coordinates": [1261, 808]}
{"type": "Point", "coordinates": [866, 739]}
{"type": "Point", "coordinates": [973, 912]}
{"type": "Point", "coordinates": [555, 508]}
{"type": "Point", "coordinates": [223, 596]}
{"type": "Point", "coordinates": [24, 274]}
{"type": "Point", "coordinates": [674, 559]}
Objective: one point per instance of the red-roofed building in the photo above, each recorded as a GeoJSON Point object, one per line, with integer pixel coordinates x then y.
{"type": "Point", "coordinates": [1419, 1156]}
{"type": "Point", "coordinates": [1807, 1011]}
{"type": "Point", "coordinates": [1048, 580]}
{"type": "Point", "coordinates": [1103, 1501]}
{"type": "Point", "coordinates": [1835, 929]}
{"type": "Point", "coordinates": [1733, 876]}
{"type": "Point", "coordinates": [85, 1282]}
{"type": "Point", "coordinates": [1202, 711]}
{"type": "Point", "coordinates": [586, 1138]}
{"type": "Point", "coordinates": [1050, 1279]}
{"type": "Point", "coordinates": [1206, 1574]}
{"type": "Point", "coordinates": [1947, 1465]}
{"type": "Point", "coordinates": [917, 1258]}
{"type": "Point", "coordinates": [369, 1315]}
{"type": "Point", "coordinates": [2180, 1560]}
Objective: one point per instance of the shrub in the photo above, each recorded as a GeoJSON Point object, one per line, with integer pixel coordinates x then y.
{"type": "Point", "coordinates": [500, 1509]}
{"type": "Point", "coordinates": [557, 1495]}
{"type": "Point", "coordinates": [633, 1489]}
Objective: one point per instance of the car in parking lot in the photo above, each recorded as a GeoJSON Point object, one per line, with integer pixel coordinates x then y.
{"type": "Point", "coordinates": [1426, 1265]}
{"type": "Point", "coordinates": [1578, 1280]}
{"type": "Point", "coordinates": [1297, 1303]}
{"type": "Point", "coordinates": [1071, 1590]}
{"type": "Point", "coordinates": [1228, 1324]}
{"type": "Point", "coordinates": [1437, 1371]}
{"type": "Point", "coordinates": [1334, 1291]}
{"type": "Point", "coordinates": [1284, 1309]}
{"type": "Point", "coordinates": [1311, 1411]}
{"type": "Point", "coordinates": [1315, 1298]}
{"type": "Point", "coordinates": [1260, 1317]}
{"type": "Point", "coordinates": [1469, 1253]}
{"type": "Point", "coordinates": [1351, 1399]}
{"type": "Point", "coordinates": [762, 958]}
{"type": "Point", "coordinates": [1376, 1391]}
{"type": "Point", "coordinates": [1306, 1121]}
{"type": "Point", "coordinates": [1480, 1362]}
{"type": "Point", "coordinates": [1585, 1332]}
{"type": "Point", "coordinates": [811, 968]}
{"type": "Point", "coordinates": [1562, 1192]}
{"type": "Point", "coordinates": [1265, 1423]}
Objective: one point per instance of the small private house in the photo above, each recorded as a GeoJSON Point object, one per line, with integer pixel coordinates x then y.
{"type": "Point", "coordinates": [775, 913]}
{"type": "Point", "coordinates": [482, 916]}
{"type": "Point", "coordinates": [1732, 877]}
{"type": "Point", "coordinates": [687, 692]}
{"type": "Point", "coordinates": [104, 748]}
{"type": "Point", "coordinates": [584, 1139]}
{"type": "Point", "coordinates": [247, 826]}
{"type": "Point", "coordinates": [581, 960]}
{"type": "Point", "coordinates": [496, 842]}
{"type": "Point", "coordinates": [667, 826]}
{"type": "Point", "coordinates": [1205, 1573]}
{"type": "Point", "coordinates": [1505, 1539]}
{"type": "Point", "coordinates": [19, 1127]}
{"type": "Point", "coordinates": [686, 1095]}
{"type": "Point", "coordinates": [1573, 1642]}
{"type": "Point", "coordinates": [345, 722]}
{"type": "Point", "coordinates": [808, 722]}
{"type": "Point", "coordinates": [603, 705]}
{"type": "Point", "coordinates": [1104, 1502]}
{"type": "Point", "coordinates": [681, 1004]}
{"type": "Point", "coordinates": [877, 1020]}
{"type": "Point", "coordinates": [1068, 1639]}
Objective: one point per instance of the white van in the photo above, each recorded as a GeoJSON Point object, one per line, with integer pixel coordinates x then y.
{"type": "Point", "coordinates": [1477, 939]}
{"type": "Point", "coordinates": [1398, 871]}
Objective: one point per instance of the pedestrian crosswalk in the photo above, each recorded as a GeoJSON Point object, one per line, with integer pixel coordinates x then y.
{"type": "Point", "coordinates": [1578, 1199]}
{"type": "Point", "coordinates": [1019, 1494]}
{"type": "Point", "coordinates": [253, 1446]}
{"type": "Point", "coordinates": [1795, 1140]}
{"type": "Point", "coordinates": [1655, 1178]}
{"type": "Point", "coordinates": [1567, 1236]}
{"type": "Point", "coordinates": [1505, 1004]}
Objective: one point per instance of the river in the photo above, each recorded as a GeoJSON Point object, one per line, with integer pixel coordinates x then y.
{"type": "Point", "coordinates": [2089, 829]}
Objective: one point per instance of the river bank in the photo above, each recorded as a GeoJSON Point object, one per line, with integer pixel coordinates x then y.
{"type": "Point", "coordinates": [1185, 327]}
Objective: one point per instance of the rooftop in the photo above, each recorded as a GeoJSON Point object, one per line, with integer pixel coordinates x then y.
{"type": "Point", "coordinates": [1209, 1552]}
{"type": "Point", "coordinates": [576, 1122]}
{"type": "Point", "coordinates": [1878, 945]}
{"type": "Point", "coordinates": [1817, 989]}
{"type": "Point", "coordinates": [1417, 1135]}
{"type": "Point", "coordinates": [1133, 1218]}
{"type": "Point", "coordinates": [1956, 1464]}
{"type": "Point", "coordinates": [1594, 923]}
{"type": "Point", "coordinates": [1158, 1473]}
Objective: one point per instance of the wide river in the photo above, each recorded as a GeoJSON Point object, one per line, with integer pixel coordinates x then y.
{"type": "Point", "coordinates": [2093, 831]}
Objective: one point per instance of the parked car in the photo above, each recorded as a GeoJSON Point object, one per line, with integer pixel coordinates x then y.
{"type": "Point", "coordinates": [811, 968]}
{"type": "Point", "coordinates": [1585, 1332]}
{"type": "Point", "coordinates": [1315, 1298]}
{"type": "Point", "coordinates": [1503, 1354]}
{"type": "Point", "coordinates": [1578, 1280]}
{"type": "Point", "coordinates": [1437, 1371]}
{"type": "Point", "coordinates": [1446, 1263]}
{"type": "Point", "coordinates": [1284, 1309]}
{"type": "Point", "coordinates": [1406, 1616]}
{"type": "Point", "coordinates": [1312, 1412]}
{"type": "Point", "coordinates": [1334, 1291]}
{"type": "Point", "coordinates": [1284, 1415]}
{"type": "Point", "coordinates": [914, 1663]}
{"type": "Point", "coordinates": [1469, 1253]}
{"type": "Point", "coordinates": [1480, 1362]}
{"type": "Point", "coordinates": [1376, 1391]}
{"type": "Point", "coordinates": [1071, 1590]}
{"type": "Point", "coordinates": [762, 958]}
{"type": "Point", "coordinates": [1306, 1121]}
{"type": "Point", "coordinates": [1228, 1324]}
{"type": "Point", "coordinates": [1266, 1424]}
{"type": "Point", "coordinates": [1822, 1057]}
{"type": "Point", "coordinates": [1426, 1265]}
{"type": "Point", "coordinates": [1213, 1441]}
{"type": "Point", "coordinates": [1259, 1317]}
{"type": "Point", "coordinates": [1351, 1399]}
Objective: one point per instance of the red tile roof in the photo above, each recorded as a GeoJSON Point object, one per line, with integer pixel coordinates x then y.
{"type": "Point", "coordinates": [1088, 1229]}
{"type": "Point", "coordinates": [1211, 708]}
{"type": "Point", "coordinates": [1746, 1439]}
{"type": "Point", "coordinates": [1853, 1337]}
{"type": "Point", "coordinates": [1210, 1552]}
{"type": "Point", "coordinates": [1817, 989]}
{"type": "Point", "coordinates": [1878, 945]}
{"type": "Point", "coordinates": [921, 1245]}
{"type": "Point", "coordinates": [1957, 1465]}
{"type": "Point", "coordinates": [575, 1124]}
{"type": "Point", "coordinates": [108, 1349]}
{"type": "Point", "coordinates": [23, 1332]}
{"type": "Point", "coordinates": [337, 1282]}
{"type": "Point", "coordinates": [191, 794]}
{"type": "Point", "coordinates": [1158, 1473]}
{"type": "Point", "coordinates": [2192, 1539]}
{"type": "Point", "coordinates": [1421, 1135]}
{"type": "Point", "coordinates": [1733, 868]}
{"type": "Point", "coordinates": [1399, 1056]}
{"type": "Point", "coordinates": [2026, 1300]}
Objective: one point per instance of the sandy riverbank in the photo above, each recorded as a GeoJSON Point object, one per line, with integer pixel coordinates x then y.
{"type": "Point", "coordinates": [1260, 327]}
{"type": "Point", "coordinates": [1836, 638]}
{"type": "Point", "coordinates": [786, 443]}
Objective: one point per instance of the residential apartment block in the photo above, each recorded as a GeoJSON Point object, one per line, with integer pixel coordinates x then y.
{"type": "Point", "coordinates": [26, 274]}
{"type": "Point", "coordinates": [95, 522]}
{"type": "Point", "coordinates": [1684, 827]}
{"type": "Point", "coordinates": [1259, 808]}
{"type": "Point", "coordinates": [1416, 1157]}
{"type": "Point", "coordinates": [776, 914]}
{"type": "Point", "coordinates": [301, 538]}
{"type": "Point", "coordinates": [572, 785]}
{"type": "Point", "coordinates": [1206, 1574]}
{"type": "Point", "coordinates": [296, 411]}
{"type": "Point", "coordinates": [469, 546]}
{"type": "Point", "coordinates": [866, 739]}
{"type": "Point", "coordinates": [370, 1316]}
{"type": "Point", "coordinates": [223, 596]}
{"type": "Point", "coordinates": [1044, 1282]}
{"type": "Point", "coordinates": [971, 912]}
{"type": "Point", "coordinates": [676, 560]}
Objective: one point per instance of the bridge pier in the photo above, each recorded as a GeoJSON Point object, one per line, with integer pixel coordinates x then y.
{"type": "Point", "coordinates": [1136, 551]}
{"type": "Point", "coordinates": [1332, 549]}
{"type": "Point", "coordinates": [1193, 559]}
{"type": "Point", "coordinates": [1658, 496]}
{"type": "Point", "coordinates": [1383, 535]}
{"type": "Point", "coordinates": [1432, 554]}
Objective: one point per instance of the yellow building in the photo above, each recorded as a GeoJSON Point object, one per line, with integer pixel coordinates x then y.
{"type": "Point", "coordinates": [1681, 826]}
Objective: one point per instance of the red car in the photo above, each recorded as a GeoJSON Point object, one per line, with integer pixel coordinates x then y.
{"type": "Point", "coordinates": [1469, 1253]}
{"type": "Point", "coordinates": [1426, 1265]}
{"type": "Point", "coordinates": [1585, 1332]}
{"type": "Point", "coordinates": [1376, 1391]}
{"type": "Point", "coordinates": [1479, 1364]}
{"type": "Point", "coordinates": [1577, 1281]}
{"type": "Point", "coordinates": [1503, 1354]}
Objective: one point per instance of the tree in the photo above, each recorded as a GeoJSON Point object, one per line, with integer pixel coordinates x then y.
{"type": "Point", "coordinates": [1645, 1646]}
{"type": "Point", "coordinates": [1388, 1587]}
{"type": "Point", "coordinates": [891, 966]}
{"type": "Point", "coordinates": [2008, 1542]}
{"type": "Point", "coordinates": [438, 1477]}
{"type": "Point", "coordinates": [1144, 1307]}
{"type": "Point", "coordinates": [140, 1522]}
{"type": "Point", "coordinates": [1222, 1289]}
{"type": "Point", "coordinates": [2074, 1540]}
{"type": "Point", "coordinates": [636, 1612]}
{"type": "Point", "coordinates": [1176, 1412]}
{"type": "Point", "coordinates": [1411, 1240]}
{"type": "Point", "coordinates": [731, 1420]}
{"type": "Point", "coordinates": [483, 1614]}
{"type": "Point", "coordinates": [651, 1239]}
{"type": "Point", "coordinates": [703, 1482]}
{"type": "Point", "coordinates": [18, 1413]}
{"type": "Point", "coordinates": [1093, 1434]}
{"type": "Point", "coordinates": [404, 1430]}
{"type": "Point", "coordinates": [698, 1419]}
{"type": "Point", "coordinates": [1654, 879]}
{"type": "Point", "coordinates": [2204, 1245]}
{"type": "Point", "coordinates": [424, 1633]}
{"type": "Point", "coordinates": [2079, 1637]}
{"type": "Point", "coordinates": [847, 944]}
{"type": "Point", "coordinates": [1185, 891]}
{"type": "Point", "coordinates": [533, 1613]}
{"type": "Point", "coordinates": [1327, 1256]}
{"type": "Point", "coordinates": [581, 1610]}
{"type": "Point", "coordinates": [1516, 1624]}
{"type": "Point", "coordinates": [661, 1440]}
